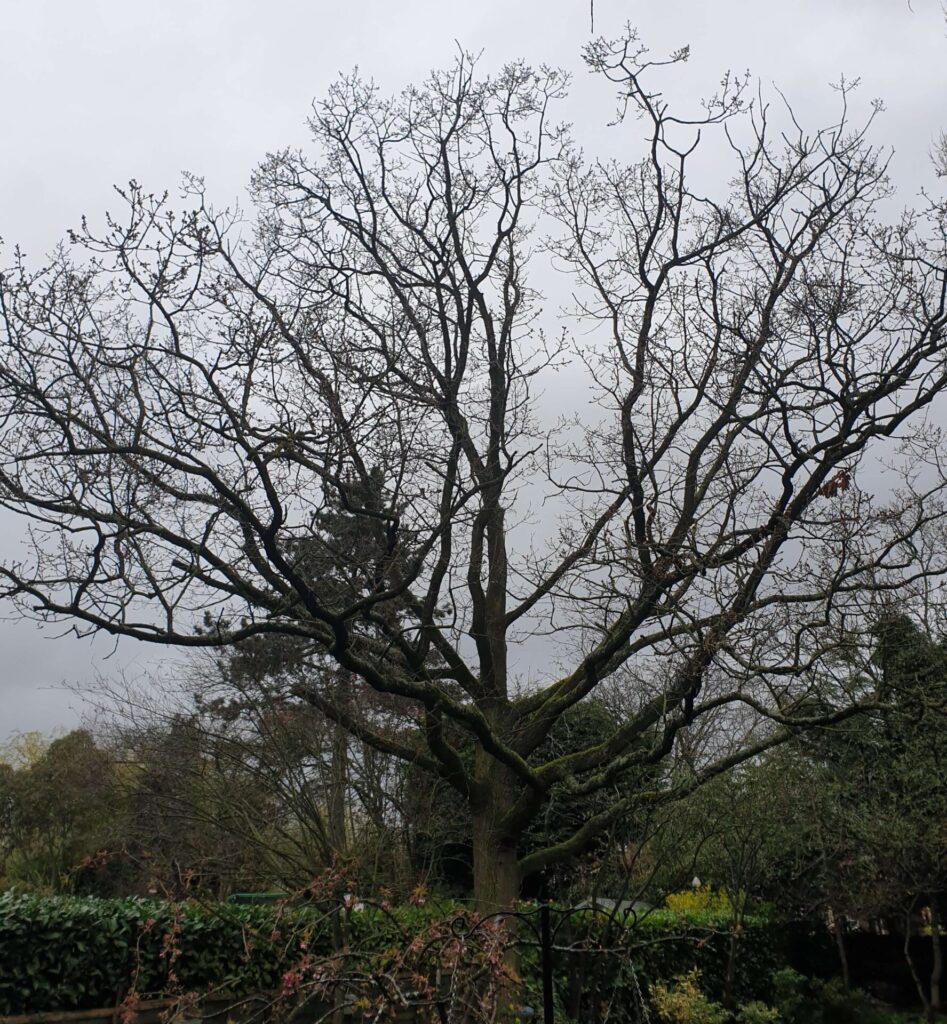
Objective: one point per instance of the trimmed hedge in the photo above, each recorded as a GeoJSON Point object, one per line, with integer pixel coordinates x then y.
{"type": "Point", "coordinates": [671, 945]}
{"type": "Point", "coordinates": [68, 953]}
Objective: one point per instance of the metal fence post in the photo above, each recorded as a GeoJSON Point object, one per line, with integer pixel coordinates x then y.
{"type": "Point", "coordinates": [545, 955]}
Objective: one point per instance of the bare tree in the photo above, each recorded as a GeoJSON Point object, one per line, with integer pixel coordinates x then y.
{"type": "Point", "coordinates": [236, 781]}
{"type": "Point", "coordinates": [183, 404]}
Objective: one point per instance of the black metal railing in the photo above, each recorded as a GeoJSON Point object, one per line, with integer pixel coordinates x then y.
{"type": "Point", "coordinates": [544, 924]}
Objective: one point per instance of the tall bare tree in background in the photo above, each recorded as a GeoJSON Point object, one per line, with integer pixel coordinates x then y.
{"type": "Point", "coordinates": [239, 785]}
{"type": "Point", "coordinates": [185, 401]}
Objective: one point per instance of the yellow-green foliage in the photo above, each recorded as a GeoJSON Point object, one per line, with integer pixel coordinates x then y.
{"type": "Point", "coordinates": [705, 898]}
{"type": "Point", "coordinates": [757, 1013]}
{"type": "Point", "coordinates": [24, 749]}
{"type": "Point", "coordinates": [682, 1002]}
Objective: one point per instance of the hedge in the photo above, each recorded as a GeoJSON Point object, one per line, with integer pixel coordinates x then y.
{"type": "Point", "coordinates": [70, 953]}
{"type": "Point", "coordinates": [664, 945]}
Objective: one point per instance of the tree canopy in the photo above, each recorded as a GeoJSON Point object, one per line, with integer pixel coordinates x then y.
{"type": "Point", "coordinates": [193, 401]}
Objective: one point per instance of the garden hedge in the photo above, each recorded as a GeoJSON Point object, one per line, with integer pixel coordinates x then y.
{"type": "Point", "coordinates": [69, 953]}
{"type": "Point", "coordinates": [664, 945]}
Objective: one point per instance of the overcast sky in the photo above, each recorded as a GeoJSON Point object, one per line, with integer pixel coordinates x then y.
{"type": "Point", "coordinates": [95, 92]}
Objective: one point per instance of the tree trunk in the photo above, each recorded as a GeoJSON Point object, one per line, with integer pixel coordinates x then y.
{"type": "Point", "coordinates": [937, 969]}
{"type": "Point", "coordinates": [840, 946]}
{"type": "Point", "coordinates": [495, 862]}
{"type": "Point", "coordinates": [495, 865]}
{"type": "Point", "coordinates": [736, 933]}
{"type": "Point", "coordinates": [495, 868]}
{"type": "Point", "coordinates": [338, 785]}
{"type": "Point", "coordinates": [338, 774]}
{"type": "Point", "coordinates": [918, 984]}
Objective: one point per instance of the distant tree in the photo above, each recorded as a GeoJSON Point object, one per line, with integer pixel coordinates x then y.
{"type": "Point", "coordinates": [183, 405]}
{"type": "Point", "coordinates": [57, 810]}
{"type": "Point", "coordinates": [25, 748]}
{"type": "Point", "coordinates": [244, 791]}
{"type": "Point", "coordinates": [195, 822]}
{"type": "Point", "coordinates": [900, 793]}
{"type": "Point", "coordinates": [849, 823]}
{"type": "Point", "coordinates": [732, 842]}
{"type": "Point", "coordinates": [261, 681]}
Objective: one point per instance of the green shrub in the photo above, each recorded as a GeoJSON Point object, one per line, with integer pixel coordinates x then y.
{"type": "Point", "coordinates": [756, 1012]}
{"type": "Point", "coordinates": [704, 898]}
{"type": "Point", "coordinates": [802, 1000]}
{"type": "Point", "coordinates": [663, 945]}
{"type": "Point", "coordinates": [792, 994]}
{"type": "Point", "coordinates": [666, 945]}
{"type": "Point", "coordinates": [682, 1002]}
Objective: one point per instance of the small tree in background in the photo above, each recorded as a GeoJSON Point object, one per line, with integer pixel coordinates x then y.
{"type": "Point", "coordinates": [59, 805]}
